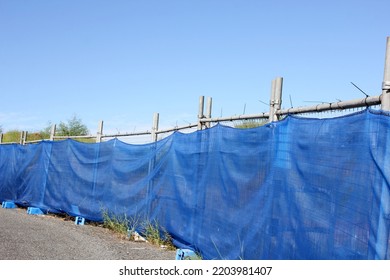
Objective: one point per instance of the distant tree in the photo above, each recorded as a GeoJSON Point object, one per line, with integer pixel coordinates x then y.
{"type": "Point", "coordinates": [74, 127]}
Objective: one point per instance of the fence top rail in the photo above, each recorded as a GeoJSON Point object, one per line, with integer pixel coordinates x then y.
{"type": "Point", "coordinates": [9, 143]}
{"type": "Point", "coordinates": [126, 134]}
{"type": "Point", "coordinates": [35, 141]}
{"type": "Point", "coordinates": [74, 137]}
{"type": "Point", "coordinates": [176, 128]}
{"type": "Point", "coordinates": [332, 106]}
{"type": "Point", "coordinates": [235, 118]}
{"type": "Point", "coordinates": [340, 105]}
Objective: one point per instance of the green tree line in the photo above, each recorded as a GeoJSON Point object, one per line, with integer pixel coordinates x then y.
{"type": "Point", "coordinates": [72, 127]}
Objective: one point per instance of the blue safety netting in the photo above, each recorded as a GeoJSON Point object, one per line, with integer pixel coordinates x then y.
{"type": "Point", "coordinates": [295, 189]}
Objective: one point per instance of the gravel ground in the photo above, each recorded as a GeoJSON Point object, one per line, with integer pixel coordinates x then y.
{"type": "Point", "coordinates": [47, 237]}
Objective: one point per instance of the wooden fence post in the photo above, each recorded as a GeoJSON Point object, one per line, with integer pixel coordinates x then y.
{"type": "Point", "coordinates": [99, 133]}
{"type": "Point", "coordinates": [200, 112]}
{"type": "Point", "coordinates": [156, 118]}
{"type": "Point", "coordinates": [385, 102]}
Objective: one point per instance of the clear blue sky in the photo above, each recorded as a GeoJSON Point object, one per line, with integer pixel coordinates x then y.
{"type": "Point", "coordinates": [121, 61]}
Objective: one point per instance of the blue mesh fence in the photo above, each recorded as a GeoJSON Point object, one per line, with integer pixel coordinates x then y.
{"type": "Point", "coordinates": [295, 189]}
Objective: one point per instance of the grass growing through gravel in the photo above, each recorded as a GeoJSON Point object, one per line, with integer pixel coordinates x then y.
{"type": "Point", "coordinates": [157, 235]}
{"type": "Point", "coordinates": [116, 224]}
{"type": "Point", "coordinates": [151, 230]}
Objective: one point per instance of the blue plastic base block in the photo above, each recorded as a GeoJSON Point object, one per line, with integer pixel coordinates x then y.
{"type": "Point", "coordinates": [34, 211]}
{"type": "Point", "coordinates": [9, 204]}
{"type": "Point", "coordinates": [186, 254]}
{"type": "Point", "coordinates": [79, 221]}
{"type": "Point", "coordinates": [75, 210]}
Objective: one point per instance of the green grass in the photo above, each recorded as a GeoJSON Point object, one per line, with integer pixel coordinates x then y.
{"type": "Point", "coordinates": [118, 225]}
{"type": "Point", "coordinates": [151, 230]}
{"type": "Point", "coordinates": [249, 123]}
{"type": "Point", "coordinates": [156, 234]}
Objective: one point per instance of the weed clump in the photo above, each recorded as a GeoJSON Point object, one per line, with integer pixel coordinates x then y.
{"type": "Point", "coordinates": [150, 231]}
{"type": "Point", "coordinates": [157, 235]}
{"type": "Point", "coordinates": [118, 224]}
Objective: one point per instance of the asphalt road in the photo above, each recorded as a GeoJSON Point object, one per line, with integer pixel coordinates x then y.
{"type": "Point", "coordinates": [47, 237]}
